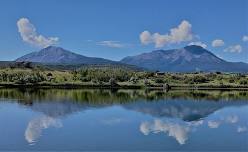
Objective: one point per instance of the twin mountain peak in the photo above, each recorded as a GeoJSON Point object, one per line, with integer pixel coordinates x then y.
{"type": "Point", "coordinates": [188, 59]}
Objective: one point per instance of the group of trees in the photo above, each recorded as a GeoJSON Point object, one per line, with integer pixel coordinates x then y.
{"type": "Point", "coordinates": [101, 75]}
{"type": "Point", "coordinates": [114, 75]}
{"type": "Point", "coordinates": [21, 77]}
{"type": "Point", "coordinates": [199, 78]}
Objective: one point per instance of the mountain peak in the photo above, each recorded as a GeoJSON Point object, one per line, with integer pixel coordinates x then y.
{"type": "Point", "coordinates": [195, 49]}
{"type": "Point", "coordinates": [186, 59]}
{"type": "Point", "coordinates": [58, 55]}
{"type": "Point", "coordinates": [189, 47]}
{"type": "Point", "coordinates": [53, 49]}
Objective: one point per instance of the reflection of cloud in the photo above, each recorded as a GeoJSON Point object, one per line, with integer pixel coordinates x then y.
{"type": "Point", "coordinates": [213, 124]}
{"type": "Point", "coordinates": [112, 121]}
{"type": "Point", "coordinates": [232, 119]}
{"type": "Point", "coordinates": [241, 129]}
{"type": "Point", "coordinates": [176, 130]}
{"type": "Point", "coordinates": [196, 123]}
{"type": "Point", "coordinates": [229, 119]}
{"type": "Point", "coordinates": [36, 125]}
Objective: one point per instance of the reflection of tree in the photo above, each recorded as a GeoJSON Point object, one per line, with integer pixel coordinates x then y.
{"type": "Point", "coordinates": [26, 96]}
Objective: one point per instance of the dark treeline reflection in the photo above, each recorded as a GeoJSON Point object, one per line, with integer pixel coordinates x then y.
{"type": "Point", "coordinates": [93, 96]}
{"type": "Point", "coordinates": [186, 105]}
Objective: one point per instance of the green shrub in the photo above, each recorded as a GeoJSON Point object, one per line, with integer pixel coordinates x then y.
{"type": "Point", "coordinates": [159, 80]}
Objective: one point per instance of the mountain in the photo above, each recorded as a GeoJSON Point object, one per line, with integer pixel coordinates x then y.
{"type": "Point", "coordinates": [188, 59]}
{"type": "Point", "coordinates": [58, 55]}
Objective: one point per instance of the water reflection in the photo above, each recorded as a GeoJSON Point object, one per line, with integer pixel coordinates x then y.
{"type": "Point", "coordinates": [180, 130]}
{"type": "Point", "coordinates": [28, 96]}
{"type": "Point", "coordinates": [177, 115]}
{"type": "Point", "coordinates": [36, 125]}
{"type": "Point", "coordinates": [174, 129]}
{"type": "Point", "coordinates": [241, 129]}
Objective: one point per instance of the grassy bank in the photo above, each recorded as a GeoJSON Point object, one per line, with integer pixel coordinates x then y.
{"type": "Point", "coordinates": [119, 78]}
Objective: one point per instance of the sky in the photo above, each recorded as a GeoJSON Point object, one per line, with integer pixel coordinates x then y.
{"type": "Point", "coordinates": [114, 29]}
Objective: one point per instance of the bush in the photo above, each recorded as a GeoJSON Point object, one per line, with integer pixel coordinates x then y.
{"type": "Point", "coordinates": [31, 78]}
{"type": "Point", "coordinates": [196, 79]}
{"type": "Point", "coordinates": [159, 80]}
{"type": "Point", "coordinates": [243, 82]}
{"type": "Point", "coordinates": [231, 80]}
{"type": "Point", "coordinates": [113, 82]}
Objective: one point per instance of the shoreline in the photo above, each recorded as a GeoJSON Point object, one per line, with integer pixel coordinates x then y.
{"type": "Point", "coordinates": [150, 87]}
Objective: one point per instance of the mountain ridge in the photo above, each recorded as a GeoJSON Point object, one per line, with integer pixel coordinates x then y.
{"type": "Point", "coordinates": [188, 59]}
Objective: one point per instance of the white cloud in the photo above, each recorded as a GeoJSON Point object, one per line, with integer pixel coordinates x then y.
{"type": "Point", "coordinates": [29, 34]}
{"type": "Point", "coordinates": [198, 44]}
{"type": "Point", "coordinates": [145, 37]}
{"type": "Point", "coordinates": [234, 49]}
{"type": "Point", "coordinates": [218, 43]}
{"type": "Point", "coordinates": [35, 127]}
{"type": "Point", "coordinates": [213, 124]}
{"type": "Point", "coordinates": [178, 131]}
{"type": "Point", "coordinates": [112, 44]}
{"type": "Point", "coordinates": [245, 38]}
{"type": "Point", "coordinates": [179, 34]}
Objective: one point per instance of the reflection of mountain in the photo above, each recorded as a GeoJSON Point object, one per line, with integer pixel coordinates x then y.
{"type": "Point", "coordinates": [183, 109]}
{"type": "Point", "coordinates": [57, 109]}
{"type": "Point", "coordinates": [185, 105]}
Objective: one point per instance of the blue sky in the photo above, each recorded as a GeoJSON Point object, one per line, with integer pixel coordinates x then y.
{"type": "Point", "coordinates": [114, 29]}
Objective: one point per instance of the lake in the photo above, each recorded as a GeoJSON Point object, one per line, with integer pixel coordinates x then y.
{"type": "Point", "coordinates": [123, 120]}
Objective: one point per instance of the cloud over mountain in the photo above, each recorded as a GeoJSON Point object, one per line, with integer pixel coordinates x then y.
{"type": "Point", "coordinates": [218, 43]}
{"type": "Point", "coordinates": [245, 38]}
{"type": "Point", "coordinates": [198, 44]}
{"type": "Point", "coordinates": [29, 34]}
{"type": "Point", "coordinates": [111, 44]}
{"type": "Point", "coordinates": [178, 34]}
{"type": "Point", "coordinates": [234, 49]}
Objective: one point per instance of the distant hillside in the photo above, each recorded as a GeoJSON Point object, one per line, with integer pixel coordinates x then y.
{"type": "Point", "coordinates": [57, 55]}
{"type": "Point", "coordinates": [187, 59]}
{"type": "Point", "coordinates": [50, 66]}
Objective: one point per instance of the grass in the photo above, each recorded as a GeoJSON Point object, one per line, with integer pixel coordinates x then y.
{"type": "Point", "coordinates": [117, 77]}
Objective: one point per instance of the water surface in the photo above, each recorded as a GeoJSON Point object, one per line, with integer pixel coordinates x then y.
{"type": "Point", "coordinates": [130, 120]}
